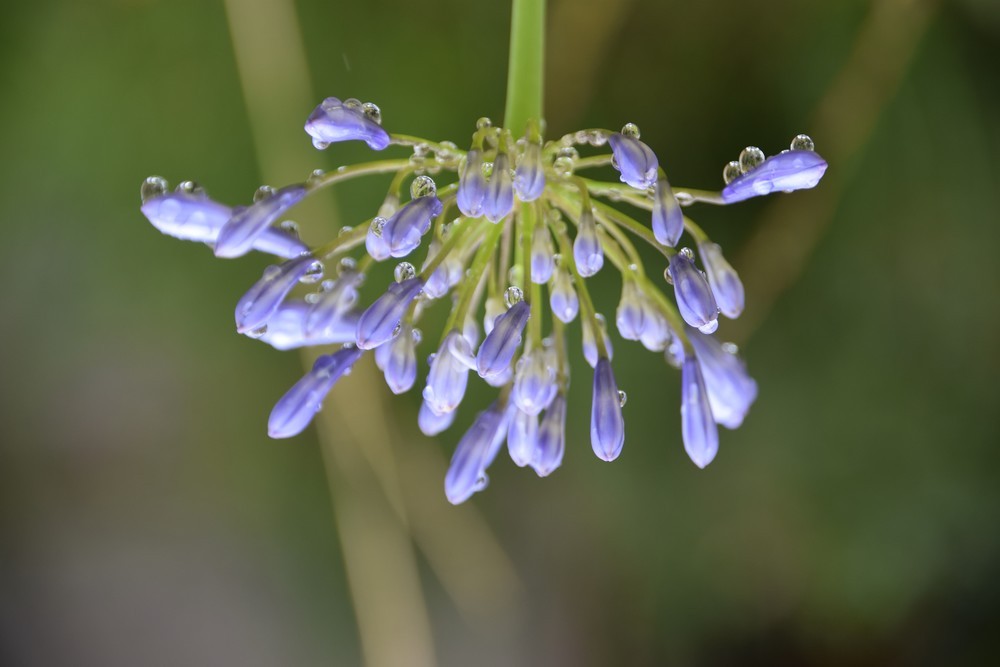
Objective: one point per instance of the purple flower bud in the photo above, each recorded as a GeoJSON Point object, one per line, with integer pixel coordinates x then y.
{"type": "Point", "coordinates": [668, 220]}
{"type": "Point", "coordinates": [261, 300]}
{"type": "Point", "coordinates": [656, 333]}
{"type": "Point", "coordinates": [449, 374]}
{"type": "Point", "coordinates": [701, 437]}
{"type": "Point", "coordinates": [542, 253]}
{"type": "Point", "coordinates": [287, 328]}
{"type": "Point", "coordinates": [432, 423]}
{"type": "Point", "coordinates": [635, 160]}
{"type": "Point", "coordinates": [398, 362]}
{"type": "Point", "coordinates": [448, 273]}
{"type": "Point", "coordinates": [522, 437]}
{"type": "Point", "coordinates": [731, 390]}
{"type": "Point", "coordinates": [375, 242]}
{"type": "Point", "coordinates": [607, 426]}
{"type": "Point", "coordinates": [471, 185]}
{"type": "Point", "coordinates": [474, 453]}
{"type": "Point", "coordinates": [500, 345]}
{"type": "Point", "coordinates": [296, 409]}
{"type": "Point", "coordinates": [403, 230]}
{"type": "Point", "coordinates": [333, 302]}
{"type": "Point", "coordinates": [726, 285]}
{"type": "Point", "coordinates": [242, 230]}
{"type": "Point", "coordinates": [334, 121]}
{"type": "Point", "coordinates": [630, 316]}
{"type": "Point", "coordinates": [499, 200]}
{"type": "Point", "coordinates": [493, 309]}
{"type": "Point", "coordinates": [378, 324]}
{"type": "Point", "coordinates": [587, 251]}
{"type": "Point", "coordinates": [786, 171]}
{"type": "Point", "coordinates": [195, 217]}
{"type": "Point", "coordinates": [529, 177]}
{"type": "Point", "coordinates": [563, 300]}
{"type": "Point", "coordinates": [590, 341]}
{"type": "Point", "coordinates": [535, 381]}
{"type": "Point", "coordinates": [695, 300]}
{"type": "Point", "coordinates": [551, 442]}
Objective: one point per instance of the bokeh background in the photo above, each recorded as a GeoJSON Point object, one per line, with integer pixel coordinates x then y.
{"type": "Point", "coordinates": [146, 519]}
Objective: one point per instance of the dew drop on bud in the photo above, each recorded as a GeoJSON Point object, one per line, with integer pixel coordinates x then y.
{"type": "Point", "coordinates": [320, 144]}
{"type": "Point", "coordinates": [346, 265]}
{"type": "Point", "coordinates": [313, 274]}
{"type": "Point", "coordinates": [371, 110]}
{"type": "Point", "coordinates": [622, 398]}
{"type": "Point", "coordinates": [352, 103]}
{"type": "Point", "coordinates": [399, 327]}
{"type": "Point", "coordinates": [154, 186]}
{"type": "Point", "coordinates": [289, 227]}
{"type": "Point", "coordinates": [730, 348]}
{"type": "Point", "coordinates": [687, 252]}
{"type": "Point", "coordinates": [190, 188]}
{"type": "Point", "coordinates": [262, 193]}
{"type": "Point", "coordinates": [483, 123]}
{"type": "Point", "coordinates": [598, 138]}
{"type": "Point", "coordinates": [731, 172]}
{"type": "Point", "coordinates": [315, 177]}
{"type": "Point", "coordinates": [345, 230]}
{"type": "Point", "coordinates": [404, 271]}
{"type": "Point", "coordinates": [416, 335]}
{"type": "Point", "coordinates": [377, 225]}
{"type": "Point", "coordinates": [487, 169]}
{"type": "Point", "coordinates": [257, 333]}
{"type": "Point", "coordinates": [313, 297]}
{"type": "Point", "coordinates": [423, 186]}
{"type": "Point", "coordinates": [803, 142]}
{"type": "Point", "coordinates": [666, 276]}
{"type": "Point", "coordinates": [631, 130]}
{"type": "Point", "coordinates": [513, 295]}
{"type": "Point", "coordinates": [750, 158]}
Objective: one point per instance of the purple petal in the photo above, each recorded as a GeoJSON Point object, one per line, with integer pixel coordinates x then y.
{"type": "Point", "coordinates": [378, 324]}
{"type": "Point", "coordinates": [449, 374]}
{"type": "Point", "coordinates": [701, 437]}
{"type": "Point", "coordinates": [474, 453]}
{"type": "Point", "coordinates": [299, 405]}
{"type": "Point", "coordinates": [529, 177]}
{"type": "Point", "coordinates": [242, 230]}
{"type": "Point", "coordinates": [499, 200]}
{"type": "Point", "coordinates": [551, 442]}
{"type": "Point", "coordinates": [786, 171]}
{"type": "Point", "coordinates": [562, 298]}
{"type": "Point", "coordinates": [607, 426]}
{"type": "Point", "coordinates": [635, 160]}
{"type": "Point", "coordinates": [668, 220]}
{"type": "Point", "coordinates": [332, 121]}
{"type": "Point", "coordinates": [542, 255]}
{"type": "Point", "coordinates": [731, 390]}
{"type": "Point", "coordinates": [286, 328]}
{"type": "Point", "coordinates": [695, 300]}
{"type": "Point", "coordinates": [261, 301]}
{"type": "Point", "coordinates": [432, 423]}
{"type": "Point", "coordinates": [522, 437]}
{"type": "Point", "coordinates": [587, 251]}
{"type": "Point", "coordinates": [500, 345]}
{"type": "Point", "coordinates": [725, 283]}
{"type": "Point", "coordinates": [472, 185]}
{"type": "Point", "coordinates": [407, 225]}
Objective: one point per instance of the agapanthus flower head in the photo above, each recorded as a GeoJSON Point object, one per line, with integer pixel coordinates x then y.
{"type": "Point", "coordinates": [512, 231]}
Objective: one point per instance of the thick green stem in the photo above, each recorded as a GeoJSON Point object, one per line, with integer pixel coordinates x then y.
{"type": "Point", "coordinates": [526, 64]}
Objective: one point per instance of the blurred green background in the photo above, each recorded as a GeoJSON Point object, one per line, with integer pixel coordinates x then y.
{"type": "Point", "coordinates": [146, 519]}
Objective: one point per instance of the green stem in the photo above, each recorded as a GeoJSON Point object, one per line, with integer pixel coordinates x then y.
{"type": "Point", "coordinates": [526, 64]}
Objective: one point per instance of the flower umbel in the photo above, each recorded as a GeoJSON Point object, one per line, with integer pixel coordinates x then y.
{"type": "Point", "coordinates": [512, 216]}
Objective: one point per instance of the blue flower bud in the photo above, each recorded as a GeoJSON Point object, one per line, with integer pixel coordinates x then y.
{"type": "Point", "coordinates": [635, 160]}
{"type": "Point", "coordinates": [500, 345]}
{"type": "Point", "coordinates": [535, 381]}
{"type": "Point", "coordinates": [607, 426]}
{"type": "Point", "coordinates": [587, 251]}
{"type": "Point", "coordinates": [590, 340]}
{"type": "Point", "coordinates": [397, 360]}
{"type": "Point", "coordinates": [562, 298]}
{"type": "Point", "coordinates": [448, 273]}
{"type": "Point", "coordinates": [449, 374]}
{"type": "Point", "coordinates": [258, 304]}
{"type": "Point", "coordinates": [241, 231]}
{"type": "Point", "coordinates": [499, 200]}
{"type": "Point", "coordinates": [473, 455]}
{"type": "Point", "coordinates": [542, 255]}
{"type": "Point", "coordinates": [701, 437]}
{"type": "Point", "coordinates": [403, 230]}
{"type": "Point", "coordinates": [731, 390]}
{"type": "Point", "coordinates": [471, 185]}
{"type": "Point", "coordinates": [287, 328]}
{"type": "Point", "coordinates": [293, 412]}
{"type": "Point", "coordinates": [377, 325]}
{"type": "Point", "coordinates": [334, 121]}
{"type": "Point", "coordinates": [195, 217]}
{"type": "Point", "coordinates": [786, 171]}
{"type": "Point", "coordinates": [529, 177]}
{"type": "Point", "coordinates": [668, 220]}
{"type": "Point", "coordinates": [630, 316]}
{"type": "Point", "coordinates": [656, 333]}
{"type": "Point", "coordinates": [375, 242]}
{"type": "Point", "coordinates": [333, 302]}
{"type": "Point", "coordinates": [432, 423]}
{"type": "Point", "coordinates": [726, 285]}
{"type": "Point", "coordinates": [493, 309]}
{"type": "Point", "coordinates": [695, 300]}
{"type": "Point", "coordinates": [522, 437]}
{"type": "Point", "coordinates": [551, 441]}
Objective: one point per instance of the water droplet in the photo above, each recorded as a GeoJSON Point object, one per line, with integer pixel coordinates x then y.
{"type": "Point", "coordinates": [320, 144]}
{"type": "Point", "coordinates": [557, 259]}
{"type": "Point", "coordinates": [313, 274]}
{"type": "Point", "coordinates": [404, 271]}
{"type": "Point", "coordinates": [315, 177]}
{"type": "Point", "coordinates": [634, 268]}
{"type": "Point", "coordinates": [730, 348]}
{"type": "Point", "coordinates": [262, 193]}
{"type": "Point", "coordinates": [631, 130]}
{"type": "Point", "coordinates": [313, 297]}
{"type": "Point", "coordinates": [257, 333]}
{"type": "Point", "coordinates": [371, 110]}
{"type": "Point", "coordinates": [417, 336]}
{"type": "Point", "coordinates": [581, 137]}
{"type": "Point", "coordinates": [570, 152]}
{"type": "Point", "coordinates": [687, 252]}
{"type": "Point", "coordinates": [153, 186]}
{"type": "Point", "coordinates": [803, 142]}
{"type": "Point", "coordinates": [446, 153]}
{"type": "Point", "coordinates": [750, 158]}
{"type": "Point", "coordinates": [352, 103]}
{"type": "Point", "coordinates": [483, 123]}
{"type": "Point", "coordinates": [598, 138]}
{"type": "Point", "coordinates": [731, 172]}
{"type": "Point", "coordinates": [487, 169]}
{"type": "Point", "coordinates": [563, 166]}
{"type": "Point", "coordinates": [399, 327]}
{"type": "Point", "coordinates": [290, 227]}
{"type": "Point", "coordinates": [600, 319]}
{"type": "Point", "coordinates": [346, 265]}
{"type": "Point", "coordinates": [423, 186]}
{"type": "Point", "coordinates": [513, 295]}
{"type": "Point", "coordinates": [271, 272]}
{"type": "Point", "coordinates": [345, 230]}
{"type": "Point", "coordinates": [666, 276]}
{"type": "Point", "coordinates": [377, 224]}
{"type": "Point", "coordinates": [190, 188]}
{"type": "Point", "coordinates": [622, 398]}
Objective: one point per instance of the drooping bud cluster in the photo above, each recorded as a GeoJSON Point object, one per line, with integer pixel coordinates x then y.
{"type": "Point", "coordinates": [515, 230]}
